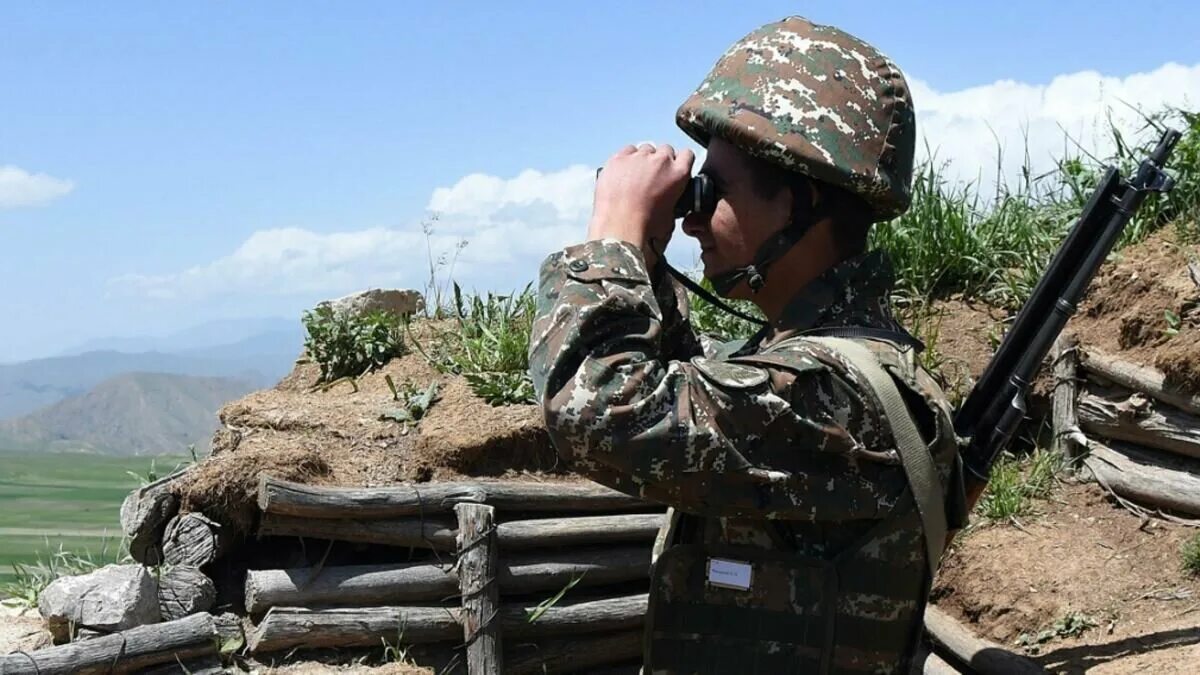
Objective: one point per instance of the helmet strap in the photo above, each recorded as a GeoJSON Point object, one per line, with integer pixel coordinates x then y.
{"type": "Point", "coordinates": [774, 248]}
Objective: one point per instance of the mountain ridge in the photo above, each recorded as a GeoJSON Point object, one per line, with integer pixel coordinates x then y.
{"type": "Point", "coordinates": [137, 413]}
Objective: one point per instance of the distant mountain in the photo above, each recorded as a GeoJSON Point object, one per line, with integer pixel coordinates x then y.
{"type": "Point", "coordinates": [262, 358]}
{"type": "Point", "coordinates": [130, 414]}
{"type": "Point", "coordinates": [200, 337]}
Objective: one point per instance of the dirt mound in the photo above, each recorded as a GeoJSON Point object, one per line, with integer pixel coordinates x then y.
{"type": "Point", "coordinates": [340, 435]}
{"type": "Point", "coordinates": [1082, 558]}
{"type": "Point", "coordinates": [1145, 306]}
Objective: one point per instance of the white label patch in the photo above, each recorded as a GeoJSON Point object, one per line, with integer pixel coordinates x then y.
{"type": "Point", "coordinates": [729, 574]}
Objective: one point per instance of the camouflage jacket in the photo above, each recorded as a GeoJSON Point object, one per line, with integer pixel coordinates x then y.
{"type": "Point", "coordinates": [780, 449]}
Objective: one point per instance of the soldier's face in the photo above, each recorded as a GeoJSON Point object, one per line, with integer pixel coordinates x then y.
{"type": "Point", "coordinates": [743, 218]}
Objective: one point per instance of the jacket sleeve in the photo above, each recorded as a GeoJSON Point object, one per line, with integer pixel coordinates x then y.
{"type": "Point", "coordinates": [710, 437]}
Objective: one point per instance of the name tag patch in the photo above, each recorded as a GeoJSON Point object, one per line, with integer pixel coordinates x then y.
{"type": "Point", "coordinates": [729, 574]}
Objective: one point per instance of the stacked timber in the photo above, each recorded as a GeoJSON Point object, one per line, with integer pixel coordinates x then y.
{"type": "Point", "coordinates": [518, 576]}
{"type": "Point", "coordinates": [1138, 437]}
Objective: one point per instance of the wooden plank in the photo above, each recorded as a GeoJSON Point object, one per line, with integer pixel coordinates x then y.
{"type": "Point", "coordinates": [433, 533]}
{"type": "Point", "coordinates": [374, 585]}
{"type": "Point", "coordinates": [1148, 477]}
{"type": "Point", "coordinates": [288, 627]}
{"type": "Point", "coordinates": [1118, 414]}
{"type": "Point", "coordinates": [553, 532]}
{"type": "Point", "coordinates": [296, 499]}
{"type": "Point", "coordinates": [1138, 378]}
{"type": "Point", "coordinates": [439, 534]}
{"type": "Point", "coordinates": [982, 656]}
{"type": "Point", "coordinates": [569, 655]}
{"type": "Point", "coordinates": [137, 648]}
{"type": "Point", "coordinates": [478, 553]}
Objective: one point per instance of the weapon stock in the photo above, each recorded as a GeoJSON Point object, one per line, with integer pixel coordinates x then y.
{"type": "Point", "coordinates": [996, 405]}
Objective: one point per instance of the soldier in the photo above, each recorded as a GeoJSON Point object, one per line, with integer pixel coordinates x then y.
{"type": "Point", "coordinates": [805, 468]}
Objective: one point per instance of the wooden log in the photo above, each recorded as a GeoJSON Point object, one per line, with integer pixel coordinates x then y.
{"type": "Point", "coordinates": [1157, 479]}
{"type": "Point", "coordinates": [438, 533]}
{"type": "Point", "coordinates": [1115, 413]}
{"type": "Point", "coordinates": [478, 554]}
{"type": "Point", "coordinates": [928, 662]}
{"type": "Point", "coordinates": [193, 539]}
{"type": "Point", "coordinates": [982, 656]}
{"type": "Point", "coordinates": [1138, 378]}
{"type": "Point", "coordinates": [296, 499]}
{"type": "Point", "coordinates": [127, 651]}
{"type": "Point", "coordinates": [145, 513]}
{"type": "Point", "coordinates": [553, 532]}
{"type": "Point", "coordinates": [1064, 421]}
{"type": "Point", "coordinates": [372, 585]}
{"type": "Point", "coordinates": [569, 655]}
{"type": "Point", "coordinates": [564, 618]}
{"type": "Point", "coordinates": [183, 591]}
{"type": "Point", "coordinates": [433, 533]}
{"type": "Point", "coordinates": [288, 627]}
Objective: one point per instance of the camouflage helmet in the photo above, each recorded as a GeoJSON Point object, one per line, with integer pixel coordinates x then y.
{"type": "Point", "coordinates": [815, 100]}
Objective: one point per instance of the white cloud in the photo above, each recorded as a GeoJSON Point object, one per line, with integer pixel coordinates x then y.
{"type": "Point", "coordinates": [511, 223]}
{"type": "Point", "coordinates": [968, 127]}
{"type": "Point", "coordinates": [18, 187]}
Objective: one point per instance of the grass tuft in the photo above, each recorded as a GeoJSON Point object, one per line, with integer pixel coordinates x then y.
{"type": "Point", "coordinates": [30, 579]}
{"type": "Point", "coordinates": [1014, 484]}
{"type": "Point", "coordinates": [489, 345]}
{"type": "Point", "coordinates": [1190, 553]}
{"type": "Point", "coordinates": [346, 345]}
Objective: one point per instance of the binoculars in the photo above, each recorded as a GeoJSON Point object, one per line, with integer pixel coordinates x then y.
{"type": "Point", "coordinates": [700, 196]}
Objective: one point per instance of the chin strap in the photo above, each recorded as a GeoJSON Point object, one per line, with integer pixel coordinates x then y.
{"type": "Point", "coordinates": [755, 273]}
{"type": "Point", "coordinates": [699, 290]}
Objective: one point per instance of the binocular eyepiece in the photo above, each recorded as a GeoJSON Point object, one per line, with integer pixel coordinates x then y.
{"type": "Point", "coordinates": [699, 196]}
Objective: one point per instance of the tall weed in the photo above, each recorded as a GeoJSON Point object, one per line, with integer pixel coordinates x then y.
{"type": "Point", "coordinates": [489, 345]}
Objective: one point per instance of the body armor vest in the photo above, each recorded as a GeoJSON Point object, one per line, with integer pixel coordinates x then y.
{"type": "Point", "coordinates": [750, 609]}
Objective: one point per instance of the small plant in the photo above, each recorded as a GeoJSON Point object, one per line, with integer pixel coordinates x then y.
{"type": "Point", "coordinates": [1004, 498]}
{"type": "Point", "coordinates": [490, 346]}
{"type": "Point", "coordinates": [151, 474]}
{"type": "Point", "coordinates": [436, 290]}
{"type": "Point", "coordinates": [536, 613]}
{"type": "Point", "coordinates": [414, 402]}
{"type": "Point", "coordinates": [1012, 486]}
{"type": "Point", "coordinates": [348, 345]}
{"type": "Point", "coordinates": [396, 652]}
{"type": "Point", "coordinates": [1190, 552]}
{"type": "Point", "coordinates": [1072, 624]}
{"type": "Point", "coordinates": [1173, 323]}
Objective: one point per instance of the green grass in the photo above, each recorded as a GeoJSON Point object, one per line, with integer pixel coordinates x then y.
{"type": "Point", "coordinates": [70, 502]}
{"type": "Point", "coordinates": [489, 345]}
{"type": "Point", "coordinates": [1015, 483]}
{"type": "Point", "coordinates": [1190, 554]}
{"type": "Point", "coordinates": [993, 245]}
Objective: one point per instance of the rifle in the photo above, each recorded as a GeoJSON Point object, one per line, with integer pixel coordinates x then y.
{"type": "Point", "coordinates": [996, 405]}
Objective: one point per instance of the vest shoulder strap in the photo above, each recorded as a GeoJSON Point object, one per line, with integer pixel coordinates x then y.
{"type": "Point", "coordinates": [918, 463]}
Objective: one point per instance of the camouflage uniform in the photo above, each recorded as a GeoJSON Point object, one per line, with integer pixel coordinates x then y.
{"type": "Point", "coordinates": [776, 453]}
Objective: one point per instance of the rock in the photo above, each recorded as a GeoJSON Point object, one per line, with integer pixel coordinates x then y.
{"type": "Point", "coordinates": [399, 302]}
{"type": "Point", "coordinates": [184, 590]}
{"type": "Point", "coordinates": [113, 598]}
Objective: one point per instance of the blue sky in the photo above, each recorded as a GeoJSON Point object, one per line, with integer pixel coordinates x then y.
{"type": "Point", "coordinates": [163, 165]}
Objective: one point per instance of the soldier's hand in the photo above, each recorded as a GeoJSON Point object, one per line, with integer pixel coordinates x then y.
{"type": "Point", "coordinates": [636, 195]}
